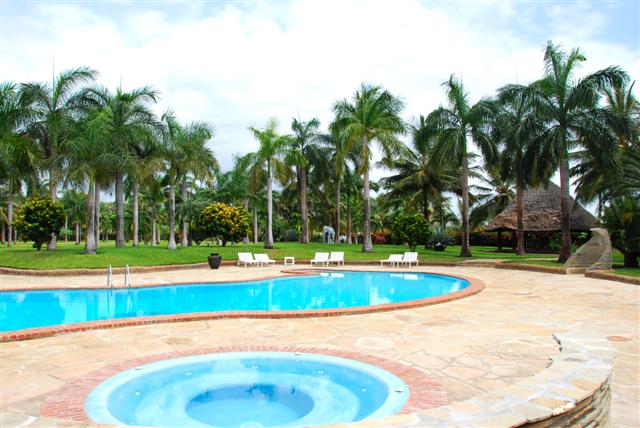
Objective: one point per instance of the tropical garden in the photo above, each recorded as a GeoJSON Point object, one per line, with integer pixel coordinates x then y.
{"type": "Point", "coordinates": [64, 145]}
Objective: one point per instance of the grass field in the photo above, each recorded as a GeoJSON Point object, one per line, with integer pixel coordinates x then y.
{"type": "Point", "coordinates": [69, 255]}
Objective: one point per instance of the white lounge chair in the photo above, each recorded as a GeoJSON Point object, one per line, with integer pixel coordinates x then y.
{"type": "Point", "coordinates": [263, 259]}
{"type": "Point", "coordinates": [246, 259]}
{"type": "Point", "coordinates": [337, 257]}
{"type": "Point", "coordinates": [320, 258]}
{"type": "Point", "coordinates": [393, 260]}
{"type": "Point", "coordinates": [409, 259]}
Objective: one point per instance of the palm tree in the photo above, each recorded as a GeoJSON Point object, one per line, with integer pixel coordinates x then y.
{"type": "Point", "coordinates": [571, 112]}
{"type": "Point", "coordinates": [455, 124]}
{"type": "Point", "coordinates": [372, 115]}
{"type": "Point", "coordinates": [301, 153]}
{"type": "Point", "coordinates": [74, 203]}
{"type": "Point", "coordinates": [129, 119]}
{"type": "Point", "coordinates": [268, 158]}
{"type": "Point", "coordinates": [184, 150]}
{"type": "Point", "coordinates": [597, 178]}
{"type": "Point", "coordinates": [339, 157]}
{"type": "Point", "coordinates": [492, 195]}
{"type": "Point", "coordinates": [153, 196]}
{"type": "Point", "coordinates": [249, 167]}
{"type": "Point", "coordinates": [19, 154]}
{"type": "Point", "coordinates": [514, 126]}
{"type": "Point", "coordinates": [53, 108]}
{"type": "Point", "coordinates": [418, 180]}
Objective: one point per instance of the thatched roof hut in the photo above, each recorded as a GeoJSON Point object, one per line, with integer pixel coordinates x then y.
{"type": "Point", "coordinates": [542, 213]}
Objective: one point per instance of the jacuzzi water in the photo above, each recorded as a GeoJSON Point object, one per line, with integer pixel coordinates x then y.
{"type": "Point", "coordinates": [25, 309]}
{"type": "Point", "coordinates": [247, 390]}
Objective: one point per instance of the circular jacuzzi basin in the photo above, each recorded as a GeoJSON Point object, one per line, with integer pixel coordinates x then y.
{"type": "Point", "coordinates": [248, 390]}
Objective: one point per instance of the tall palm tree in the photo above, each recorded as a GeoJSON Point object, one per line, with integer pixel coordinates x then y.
{"type": "Point", "coordinates": [492, 195]}
{"type": "Point", "coordinates": [19, 154]}
{"type": "Point", "coordinates": [456, 124]}
{"type": "Point", "coordinates": [571, 112]}
{"type": "Point", "coordinates": [418, 180]}
{"type": "Point", "coordinates": [249, 167]}
{"type": "Point", "coordinates": [339, 155]}
{"type": "Point", "coordinates": [153, 196]}
{"type": "Point", "coordinates": [54, 106]}
{"type": "Point", "coordinates": [373, 115]}
{"type": "Point", "coordinates": [74, 203]}
{"type": "Point", "coordinates": [129, 118]}
{"type": "Point", "coordinates": [514, 125]}
{"type": "Point", "coordinates": [269, 159]}
{"type": "Point", "coordinates": [301, 153]}
{"type": "Point", "coordinates": [184, 150]}
{"type": "Point", "coordinates": [596, 177]}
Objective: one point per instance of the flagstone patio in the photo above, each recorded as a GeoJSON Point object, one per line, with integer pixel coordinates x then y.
{"type": "Point", "coordinates": [475, 345]}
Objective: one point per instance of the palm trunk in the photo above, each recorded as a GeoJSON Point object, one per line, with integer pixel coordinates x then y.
{"type": "Point", "coordinates": [268, 243]}
{"type": "Point", "coordinates": [172, 218]}
{"type": "Point", "coordinates": [336, 196]}
{"type": "Point", "coordinates": [304, 212]}
{"type": "Point", "coordinates": [90, 237]}
{"type": "Point", "coordinates": [97, 212]}
{"type": "Point", "coordinates": [349, 231]}
{"type": "Point", "coordinates": [2, 232]}
{"type": "Point", "coordinates": [255, 223]}
{"type": "Point", "coordinates": [158, 234]}
{"type": "Point", "coordinates": [136, 224]}
{"type": "Point", "coordinates": [465, 250]}
{"type": "Point", "coordinates": [77, 232]}
{"type": "Point", "coordinates": [66, 227]}
{"type": "Point", "coordinates": [520, 247]}
{"type": "Point", "coordinates": [367, 246]}
{"type": "Point", "coordinates": [53, 244]}
{"type": "Point", "coordinates": [153, 228]}
{"type": "Point", "coordinates": [183, 191]}
{"type": "Point", "coordinates": [565, 211]}
{"type": "Point", "coordinates": [10, 218]}
{"type": "Point", "coordinates": [119, 209]}
{"type": "Point", "coordinates": [245, 205]}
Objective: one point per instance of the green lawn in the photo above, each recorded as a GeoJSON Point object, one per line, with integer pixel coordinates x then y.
{"type": "Point", "coordinates": [69, 255]}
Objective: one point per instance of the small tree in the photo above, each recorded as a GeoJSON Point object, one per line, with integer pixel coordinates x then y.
{"type": "Point", "coordinates": [226, 222]}
{"type": "Point", "coordinates": [40, 220]}
{"type": "Point", "coordinates": [622, 220]}
{"type": "Point", "coordinates": [413, 229]}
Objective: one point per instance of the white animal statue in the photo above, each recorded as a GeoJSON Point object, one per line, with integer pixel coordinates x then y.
{"type": "Point", "coordinates": [328, 235]}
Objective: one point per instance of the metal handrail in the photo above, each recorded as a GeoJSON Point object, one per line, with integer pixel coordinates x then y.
{"type": "Point", "coordinates": [127, 277]}
{"type": "Point", "coordinates": [109, 277]}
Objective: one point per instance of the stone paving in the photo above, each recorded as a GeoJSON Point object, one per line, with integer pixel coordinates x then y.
{"type": "Point", "coordinates": [472, 346]}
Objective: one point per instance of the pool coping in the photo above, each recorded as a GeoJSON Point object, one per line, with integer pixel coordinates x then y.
{"type": "Point", "coordinates": [68, 401]}
{"type": "Point", "coordinates": [475, 286]}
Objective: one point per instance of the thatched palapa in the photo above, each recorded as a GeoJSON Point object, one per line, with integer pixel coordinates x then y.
{"type": "Point", "coordinates": [542, 213]}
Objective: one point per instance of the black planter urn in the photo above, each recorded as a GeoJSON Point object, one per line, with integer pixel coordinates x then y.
{"type": "Point", "coordinates": [439, 247]}
{"type": "Point", "coordinates": [214, 260]}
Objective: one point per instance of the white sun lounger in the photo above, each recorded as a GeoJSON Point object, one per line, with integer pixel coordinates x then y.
{"type": "Point", "coordinates": [263, 259]}
{"type": "Point", "coordinates": [337, 257]}
{"type": "Point", "coordinates": [393, 260]}
{"type": "Point", "coordinates": [320, 258]}
{"type": "Point", "coordinates": [246, 259]}
{"type": "Point", "coordinates": [409, 259]}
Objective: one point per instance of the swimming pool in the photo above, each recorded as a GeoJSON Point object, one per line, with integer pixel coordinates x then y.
{"type": "Point", "coordinates": [326, 290]}
{"type": "Point", "coordinates": [248, 390]}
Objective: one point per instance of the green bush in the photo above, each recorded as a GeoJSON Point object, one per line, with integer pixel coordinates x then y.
{"type": "Point", "coordinates": [622, 220]}
{"type": "Point", "coordinates": [38, 220]}
{"type": "Point", "coordinates": [439, 240]}
{"type": "Point", "coordinates": [226, 222]}
{"type": "Point", "coordinates": [413, 229]}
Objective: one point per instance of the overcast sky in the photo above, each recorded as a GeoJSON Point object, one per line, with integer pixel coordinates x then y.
{"type": "Point", "coordinates": [235, 64]}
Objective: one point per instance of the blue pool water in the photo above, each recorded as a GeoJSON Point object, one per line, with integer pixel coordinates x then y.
{"type": "Point", "coordinates": [247, 390]}
{"type": "Point", "coordinates": [25, 309]}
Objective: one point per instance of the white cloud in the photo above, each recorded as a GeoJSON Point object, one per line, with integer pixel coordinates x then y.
{"type": "Point", "coordinates": [236, 65]}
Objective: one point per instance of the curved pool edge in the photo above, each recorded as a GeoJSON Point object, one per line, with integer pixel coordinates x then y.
{"type": "Point", "coordinates": [68, 401]}
{"type": "Point", "coordinates": [475, 286]}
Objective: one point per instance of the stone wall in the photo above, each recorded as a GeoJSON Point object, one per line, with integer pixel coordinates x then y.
{"type": "Point", "coordinates": [594, 255]}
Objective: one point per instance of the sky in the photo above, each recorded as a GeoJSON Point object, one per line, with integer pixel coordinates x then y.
{"type": "Point", "coordinates": [237, 63]}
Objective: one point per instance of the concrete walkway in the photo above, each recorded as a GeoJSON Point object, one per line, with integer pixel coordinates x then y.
{"type": "Point", "coordinates": [474, 345]}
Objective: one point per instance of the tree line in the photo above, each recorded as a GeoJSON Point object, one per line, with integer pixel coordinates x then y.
{"type": "Point", "coordinates": [74, 135]}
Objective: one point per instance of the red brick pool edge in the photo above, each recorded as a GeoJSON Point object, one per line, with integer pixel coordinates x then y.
{"type": "Point", "coordinates": [68, 402]}
{"type": "Point", "coordinates": [475, 286]}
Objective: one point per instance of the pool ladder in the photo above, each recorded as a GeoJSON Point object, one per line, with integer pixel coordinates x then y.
{"type": "Point", "coordinates": [127, 277]}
